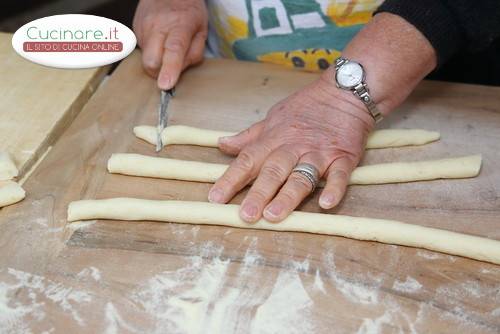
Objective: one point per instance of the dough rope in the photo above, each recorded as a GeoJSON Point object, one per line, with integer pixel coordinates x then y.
{"type": "Point", "coordinates": [8, 169]}
{"type": "Point", "coordinates": [186, 135]}
{"type": "Point", "coordinates": [141, 165]}
{"type": "Point", "coordinates": [10, 193]}
{"type": "Point", "coordinates": [381, 230]}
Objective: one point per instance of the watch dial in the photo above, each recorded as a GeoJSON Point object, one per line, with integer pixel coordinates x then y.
{"type": "Point", "coordinates": [350, 74]}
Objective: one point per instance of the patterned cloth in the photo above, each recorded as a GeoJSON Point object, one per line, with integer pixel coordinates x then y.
{"type": "Point", "coordinates": [305, 34]}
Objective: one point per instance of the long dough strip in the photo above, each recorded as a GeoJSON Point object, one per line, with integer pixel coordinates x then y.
{"type": "Point", "coordinates": [10, 193]}
{"type": "Point", "coordinates": [8, 169]}
{"type": "Point", "coordinates": [180, 134]}
{"type": "Point", "coordinates": [385, 231]}
{"type": "Point", "coordinates": [141, 165]}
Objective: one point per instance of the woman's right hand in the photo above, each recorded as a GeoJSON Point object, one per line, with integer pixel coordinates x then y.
{"type": "Point", "coordinates": [172, 35]}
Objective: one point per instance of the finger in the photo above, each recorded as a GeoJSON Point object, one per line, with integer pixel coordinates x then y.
{"type": "Point", "coordinates": [296, 188]}
{"type": "Point", "coordinates": [176, 46]}
{"type": "Point", "coordinates": [241, 171]}
{"type": "Point", "coordinates": [337, 181]}
{"type": "Point", "coordinates": [273, 174]}
{"type": "Point", "coordinates": [234, 144]}
{"type": "Point", "coordinates": [152, 54]}
{"type": "Point", "coordinates": [196, 50]}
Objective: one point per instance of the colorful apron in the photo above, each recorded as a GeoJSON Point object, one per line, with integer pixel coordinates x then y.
{"type": "Point", "coordinates": [305, 34]}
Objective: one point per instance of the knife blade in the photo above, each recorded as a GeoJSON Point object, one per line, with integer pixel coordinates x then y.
{"type": "Point", "coordinates": [165, 96]}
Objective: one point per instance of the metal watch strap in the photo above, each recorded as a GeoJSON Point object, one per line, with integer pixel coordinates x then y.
{"type": "Point", "coordinates": [339, 62]}
{"type": "Point", "coordinates": [362, 92]}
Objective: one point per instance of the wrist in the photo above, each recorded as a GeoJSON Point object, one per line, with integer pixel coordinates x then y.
{"type": "Point", "coordinates": [344, 100]}
{"type": "Point", "coordinates": [395, 56]}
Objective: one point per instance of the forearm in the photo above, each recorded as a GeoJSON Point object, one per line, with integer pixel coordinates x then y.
{"type": "Point", "coordinates": [451, 26]}
{"type": "Point", "coordinates": [396, 57]}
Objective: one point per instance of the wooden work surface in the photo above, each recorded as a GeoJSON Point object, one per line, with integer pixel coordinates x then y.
{"type": "Point", "coordinates": [38, 103]}
{"type": "Point", "coordinates": [137, 277]}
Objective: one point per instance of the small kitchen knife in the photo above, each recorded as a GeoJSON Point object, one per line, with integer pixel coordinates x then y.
{"type": "Point", "coordinates": [165, 97]}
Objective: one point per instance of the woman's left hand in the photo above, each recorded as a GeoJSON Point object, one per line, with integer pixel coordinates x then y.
{"type": "Point", "coordinates": [320, 125]}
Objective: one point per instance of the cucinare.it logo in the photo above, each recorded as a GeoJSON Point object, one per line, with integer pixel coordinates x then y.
{"type": "Point", "coordinates": [74, 41]}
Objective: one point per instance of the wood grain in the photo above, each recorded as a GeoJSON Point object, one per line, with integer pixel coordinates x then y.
{"type": "Point", "coordinates": [145, 277]}
{"type": "Point", "coordinates": [38, 103]}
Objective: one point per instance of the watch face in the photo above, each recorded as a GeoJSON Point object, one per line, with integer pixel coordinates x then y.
{"type": "Point", "coordinates": [350, 75]}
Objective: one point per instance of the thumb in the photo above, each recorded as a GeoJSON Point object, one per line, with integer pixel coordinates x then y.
{"type": "Point", "coordinates": [234, 144]}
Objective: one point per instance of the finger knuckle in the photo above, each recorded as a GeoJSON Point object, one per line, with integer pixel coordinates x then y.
{"type": "Point", "coordinates": [223, 181]}
{"type": "Point", "coordinates": [151, 64]}
{"type": "Point", "coordinates": [258, 194]}
{"type": "Point", "coordinates": [245, 160]}
{"type": "Point", "coordinates": [203, 34]}
{"type": "Point", "coordinates": [300, 181]}
{"type": "Point", "coordinates": [273, 171]}
{"type": "Point", "coordinates": [228, 181]}
{"type": "Point", "coordinates": [175, 45]}
{"type": "Point", "coordinates": [149, 20]}
{"type": "Point", "coordinates": [339, 174]}
{"type": "Point", "coordinates": [195, 57]}
{"type": "Point", "coordinates": [288, 197]}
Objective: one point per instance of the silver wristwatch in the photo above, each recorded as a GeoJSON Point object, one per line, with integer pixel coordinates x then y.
{"type": "Point", "coordinates": [350, 75]}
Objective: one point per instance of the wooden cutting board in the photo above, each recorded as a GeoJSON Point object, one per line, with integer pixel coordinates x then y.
{"type": "Point", "coordinates": [157, 277]}
{"type": "Point", "coordinates": [38, 103]}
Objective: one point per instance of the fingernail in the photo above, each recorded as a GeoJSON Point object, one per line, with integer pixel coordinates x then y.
{"type": "Point", "coordinates": [249, 211]}
{"type": "Point", "coordinates": [326, 201]}
{"type": "Point", "coordinates": [164, 82]}
{"type": "Point", "coordinates": [275, 210]}
{"type": "Point", "coordinates": [216, 196]}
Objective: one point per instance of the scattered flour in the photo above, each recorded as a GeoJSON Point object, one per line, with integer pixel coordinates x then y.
{"type": "Point", "coordinates": [466, 314]}
{"type": "Point", "coordinates": [39, 292]}
{"type": "Point", "coordinates": [81, 224]}
{"type": "Point", "coordinates": [300, 266]}
{"type": "Point", "coordinates": [91, 272]}
{"type": "Point", "coordinates": [490, 270]}
{"type": "Point", "coordinates": [252, 256]}
{"type": "Point", "coordinates": [12, 313]}
{"type": "Point", "coordinates": [393, 320]}
{"type": "Point", "coordinates": [197, 298]}
{"type": "Point", "coordinates": [375, 326]}
{"type": "Point", "coordinates": [410, 285]}
{"type": "Point", "coordinates": [115, 323]}
{"type": "Point", "coordinates": [429, 255]}
{"type": "Point", "coordinates": [356, 292]}
{"type": "Point", "coordinates": [41, 221]}
{"type": "Point", "coordinates": [287, 309]}
{"type": "Point", "coordinates": [181, 300]}
{"type": "Point", "coordinates": [318, 282]}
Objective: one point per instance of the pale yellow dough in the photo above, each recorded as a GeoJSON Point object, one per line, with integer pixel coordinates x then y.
{"type": "Point", "coordinates": [381, 230]}
{"type": "Point", "coordinates": [180, 134]}
{"type": "Point", "coordinates": [141, 165]}
{"type": "Point", "coordinates": [10, 193]}
{"type": "Point", "coordinates": [8, 169]}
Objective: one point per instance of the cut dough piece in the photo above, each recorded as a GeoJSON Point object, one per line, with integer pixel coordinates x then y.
{"type": "Point", "coordinates": [400, 137]}
{"type": "Point", "coordinates": [396, 172]}
{"type": "Point", "coordinates": [8, 169]}
{"type": "Point", "coordinates": [164, 168]}
{"type": "Point", "coordinates": [385, 231]}
{"type": "Point", "coordinates": [141, 165]}
{"type": "Point", "coordinates": [180, 134]}
{"type": "Point", "coordinates": [10, 193]}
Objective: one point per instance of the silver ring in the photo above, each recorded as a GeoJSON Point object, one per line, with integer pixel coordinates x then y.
{"type": "Point", "coordinates": [309, 171]}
